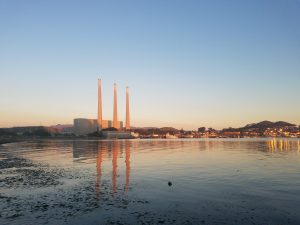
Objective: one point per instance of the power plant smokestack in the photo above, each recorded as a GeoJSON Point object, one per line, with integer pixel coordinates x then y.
{"type": "Point", "coordinates": [99, 104]}
{"type": "Point", "coordinates": [127, 126]}
{"type": "Point", "coordinates": [115, 118]}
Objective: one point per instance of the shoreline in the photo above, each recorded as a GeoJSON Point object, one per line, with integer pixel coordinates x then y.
{"type": "Point", "coordinates": [7, 140]}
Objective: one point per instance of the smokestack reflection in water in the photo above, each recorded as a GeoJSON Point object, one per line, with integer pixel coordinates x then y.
{"type": "Point", "coordinates": [102, 153]}
{"type": "Point", "coordinates": [114, 166]}
{"type": "Point", "coordinates": [127, 162]}
{"type": "Point", "coordinates": [103, 149]}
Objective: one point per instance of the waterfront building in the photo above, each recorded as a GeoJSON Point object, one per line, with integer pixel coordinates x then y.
{"type": "Point", "coordinates": [83, 126]}
{"type": "Point", "coordinates": [116, 134]}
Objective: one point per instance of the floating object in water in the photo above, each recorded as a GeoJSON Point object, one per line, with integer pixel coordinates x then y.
{"type": "Point", "coordinates": [170, 183]}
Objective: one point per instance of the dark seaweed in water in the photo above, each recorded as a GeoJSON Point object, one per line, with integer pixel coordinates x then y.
{"type": "Point", "coordinates": [17, 172]}
{"type": "Point", "coordinates": [14, 162]}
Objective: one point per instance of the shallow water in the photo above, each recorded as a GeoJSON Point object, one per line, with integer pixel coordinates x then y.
{"type": "Point", "coordinates": [213, 181]}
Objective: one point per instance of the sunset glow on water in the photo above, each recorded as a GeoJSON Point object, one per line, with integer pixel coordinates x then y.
{"type": "Point", "coordinates": [221, 181]}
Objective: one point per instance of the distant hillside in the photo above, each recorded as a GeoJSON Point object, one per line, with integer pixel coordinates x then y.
{"type": "Point", "coordinates": [169, 129]}
{"type": "Point", "coordinates": [268, 124]}
{"type": "Point", "coordinates": [155, 130]}
{"type": "Point", "coordinates": [61, 126]}
{"type": "Point", "coordinates": [144, 128]}
{"type": "Point", "coordinates": [162, 129]}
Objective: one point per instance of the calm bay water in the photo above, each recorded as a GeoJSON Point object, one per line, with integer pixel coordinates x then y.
{"type": "Point", "coordinates": [213, 181]}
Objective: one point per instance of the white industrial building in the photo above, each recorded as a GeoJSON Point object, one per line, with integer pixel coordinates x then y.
{"type": "Point", "coordinates": [84, 126]}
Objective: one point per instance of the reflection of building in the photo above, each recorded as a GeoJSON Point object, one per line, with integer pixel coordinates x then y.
{"type": "Point", "coordinates": [87, 126]}
{"type": "Point", "coordinates": [279, 145]}
{"type": "Point", "coordinates": [114, 166]}
{"type": "Point", "coordinates": [116, 149]}
{"type": "Point", "coordinates": [105, 151]}
{"type": "Point", "coordinates": [127, 163]}
{"type": "Point", "coordinates": [84, 149]}
{"type": "Point", "coordinates": [99, 172]}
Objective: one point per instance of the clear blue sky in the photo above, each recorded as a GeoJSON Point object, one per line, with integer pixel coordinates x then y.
{"type": "Point", "coordinates": [187, 63]}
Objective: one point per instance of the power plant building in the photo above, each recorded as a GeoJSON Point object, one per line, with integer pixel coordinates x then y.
{"type": "Point", "coordinates": [84, 126]}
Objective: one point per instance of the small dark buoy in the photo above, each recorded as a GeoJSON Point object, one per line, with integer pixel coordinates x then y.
{"type": "Point", "coordinates": [170, 183]}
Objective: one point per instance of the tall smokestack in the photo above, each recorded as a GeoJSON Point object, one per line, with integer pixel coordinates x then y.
{"type": "Point", "coordinates": [99, 104]}
{"type": "Point", "coordinates": [115, 118]}
{"type": "Point", "coordinates": [127, 126]}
